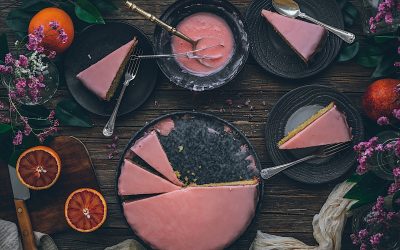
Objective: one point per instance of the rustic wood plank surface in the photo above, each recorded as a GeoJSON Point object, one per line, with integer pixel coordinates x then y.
{"type": "Point", "coordinates": [288, 207]}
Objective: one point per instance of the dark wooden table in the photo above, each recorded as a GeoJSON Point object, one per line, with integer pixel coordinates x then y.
{"type": "Point", "coordinates": [288, 206]}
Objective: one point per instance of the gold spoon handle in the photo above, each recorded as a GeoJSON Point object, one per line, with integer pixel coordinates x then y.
{"type": "Point", "coordinates": [157, 21]}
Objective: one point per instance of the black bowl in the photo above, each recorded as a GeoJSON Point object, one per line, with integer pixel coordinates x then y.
{"type": "Point", "coordinates": [176, 13]}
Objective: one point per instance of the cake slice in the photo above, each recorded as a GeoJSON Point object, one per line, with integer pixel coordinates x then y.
{"type": "Point", "coordinates": [303, 37]}
{"type": "Point", "coordinates": [327, 126]}
{"type": "Point", "coordinates": [195, 218]}
{"type": "Point", "coordinates": [149, 149]}
{"type": "Point", "coordinates": [135, 180]}
{"type": "Point", "coordinates": [103, 77]}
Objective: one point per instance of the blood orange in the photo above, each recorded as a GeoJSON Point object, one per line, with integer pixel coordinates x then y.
{"type": "Point", "coordinates": [85, 210]}
{"type": "Point", "coordinates": [38, 167]}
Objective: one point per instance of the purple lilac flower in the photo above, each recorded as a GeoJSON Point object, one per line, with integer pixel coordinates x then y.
{"type": "Point", "coordinates": [51, 54]}
{"type": "Point", "coordinates": [18, 138]}
{"type": "Point", "coordinates": [383, 120]}
{"type": "Point", "coordinates": [389, 18]}
{"type": "Point", "coordinates": [9, 59]}
{"type": "Point", "coordinates": [393, 188]}
{"type": "Point", "coordinates": [396, 172]}
{"type": "Point", "coordinates": [396, 113]}
{"type": "Point", "coordinates": [5, 69]}
{"type": "Point", "coordinates": [23, 61]}
{"type": "Point", "coordinates": [363, 246]}
{"type": "Point", "coordinates": [62, 36]}
{"type": "Point", "coordinates": [376, 239]}
{"type": "Point", "coordinates": [362, 234]}
{"type": "Point", "coordinates": [54, 25]}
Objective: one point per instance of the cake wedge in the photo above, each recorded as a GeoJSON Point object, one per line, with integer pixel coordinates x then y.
{"type": "Point", "coordinates": [327, 126]}
{"type": "Point", "coordinates": [303, 37]}
{"type": "Point", "coordinates": [149, 149]}
{"type": "Point", "coordinates": [103, 77]}
{"type": "Point", "coordinates": [135, 180]}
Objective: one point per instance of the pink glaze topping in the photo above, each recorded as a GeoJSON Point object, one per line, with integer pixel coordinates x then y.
{"type": "Point", "coordinates": [330, 128]}
{"type": "Point", "coordinates": [99, 76]}
{"type": "Point", "coordinates": [165, 126]}
{"type": "Point", "coordinates": [136, 180]}
{"type": "Point", "coordinates": [302, 36]}
{"type": "Point", "coordinates": [195, 218]}
{"type": "Point", "coordinates": [210, 30]}
{"type": "Point", "coordinates": [150, 150]}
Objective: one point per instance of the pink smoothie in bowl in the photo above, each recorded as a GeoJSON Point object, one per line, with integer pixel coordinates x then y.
{"type": "Point", "coordinates": [211, 31]}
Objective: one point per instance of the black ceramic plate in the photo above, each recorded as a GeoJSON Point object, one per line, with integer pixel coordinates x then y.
{"type": "Point", "coordinates": [293, 109]}
{"type": "Point", "coordinates": [204, 142]}
{"type": "Point", "coordinates": [184, 8]}
{"type": "Point", "coordinates": [273, 53]}
{"type": "Point", "coordinates": [94, 43]}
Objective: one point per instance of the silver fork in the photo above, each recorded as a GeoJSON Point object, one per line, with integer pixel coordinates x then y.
{"type": "Point", "coordinates": [131, 72]}
{"type": "Point", "coordinates": [324, 152]}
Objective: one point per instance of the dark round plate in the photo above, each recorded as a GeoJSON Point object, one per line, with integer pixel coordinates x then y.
{"type": "Point", "coordinates": [272, 52]}
{"type": "Point", "coordinates": [204, 133]}
{"type": "Point", "coordinates": [293, 109]}
{"type": "Point", "coordinates": [184, 8]}
{"type": "Point", "coordinates": [94, 43]}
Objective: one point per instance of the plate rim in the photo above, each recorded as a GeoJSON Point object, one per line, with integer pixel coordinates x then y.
{"type": "Point", "coordinates": [194, 113]}
{"type": "Point", "coordinates": [154, 82]}
{"type": "Point", "coordinates": [291, 77]}
{"type": "Point", "coordinates": [269, 120]}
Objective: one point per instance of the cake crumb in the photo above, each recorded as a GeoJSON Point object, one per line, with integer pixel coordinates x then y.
{"type": "Point", "coordinates": [177, 173]}
{"type": "Point", "coordinates": [180, 148]}
{"type": "Point", "coordinates": [89, 56]}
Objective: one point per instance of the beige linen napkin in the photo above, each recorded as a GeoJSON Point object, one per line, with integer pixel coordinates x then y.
{"type": "Point", "coordinates": [127, 245]}
{"type": "Point", "coordinates": [10, 240]}
{"type": "Point", "coordinates": [328, 226]}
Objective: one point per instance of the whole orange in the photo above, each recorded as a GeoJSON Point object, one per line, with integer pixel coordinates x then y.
{"type": "Point", "coordinates": [50, 40]}
{"type": "Point", "coordinates": [380, 98]}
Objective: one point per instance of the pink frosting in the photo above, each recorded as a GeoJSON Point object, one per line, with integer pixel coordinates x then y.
{"type": "Point", "coordinates": [304, 37]}
{"type": "Point", "coordinates": [330, 128]}
{"type": "Point", "coordinates": [195, 218]}
{"type": "Point", "coordinates": [99, 77]}
{"type": "Point", "coordinates": [150, 150]}
{"type": "Point", "coordinates": [136, 180]}
{"type": "Point", "coordinates": [165, 126]}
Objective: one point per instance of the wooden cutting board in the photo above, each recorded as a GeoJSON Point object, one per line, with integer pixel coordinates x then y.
{"type": "Point", "coordinates": [46, 207]}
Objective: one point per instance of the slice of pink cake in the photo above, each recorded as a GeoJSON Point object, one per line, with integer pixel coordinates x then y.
{"type": "Point", "coordinates": [328, 126]}
{"type": "Point", "coordinates": [135, 180]}
{"type": "Point", "coordinates": [303, 37]}
{"type": "Point", "coordinates": [195, 218]}
{"type": "Point", "coordinates": [149, 149]}
{"type": "Point", "coordinates": [103, 77]}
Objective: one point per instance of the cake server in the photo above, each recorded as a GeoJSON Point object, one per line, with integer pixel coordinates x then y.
{"type": "Point", "coordinates": [21, 194]}
{"type": "Point", "coordinates": [291, 9]}
{"type": "Point", "coordinates": [130, 75]}
{"type": "Point", "coordinates": [324, 152]}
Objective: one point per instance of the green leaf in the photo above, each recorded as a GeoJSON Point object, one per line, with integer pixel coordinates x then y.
{"type": "Point", "coordinates": [348, 52]}
{"type": "Point", "coordinates": [69, 113]}
{"type": "Point", "coordinates": [341, 3]}
{"type": "Point", "coordinates": [384, 39]}
{"type": "Point", "coordinates": [369, 61]}
{"type": "Point", "coordinates": [3, 46]}
{"type": "Point", "coordinates": [396, 201]}
{"type": "Point", "coordinates": [354, 178]}
{"type": "Point", "coordinates": [350, 14]}
{"type": "Point", "coordinates": [87, 12]}
{"type": "Point", "coordinates": [38, 115]}
{"type": "Point", "coordinates": [367, 189]}
{"type": "Point", "coordinates": [18, 21]}
{"type": "Point", "coordinates": [385, 67]}
{"type": "Point", "coordinates": [104, 6]}
{"type": "Point", "coordinates": [5, 129]}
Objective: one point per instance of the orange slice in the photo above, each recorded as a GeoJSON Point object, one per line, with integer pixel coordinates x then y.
{"type": "Point", "coordinates": [85, 210]}
{"type": "Point", "coordinates": [38, 167]}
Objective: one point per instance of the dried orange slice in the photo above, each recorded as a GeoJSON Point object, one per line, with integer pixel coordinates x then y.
{"type": "Point", "coordinates": [85, 210]}
{"type": "Point", "coordinates": [38, 167]}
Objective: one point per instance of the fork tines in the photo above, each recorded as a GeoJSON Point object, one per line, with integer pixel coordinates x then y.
{"type": "Point", "coordinates": [335, 148]}
{"type": "Point", "coordinates": [134, 61]}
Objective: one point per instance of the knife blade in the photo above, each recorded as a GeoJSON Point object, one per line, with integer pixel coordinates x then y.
{"type": "Point", "coordinates": [21, 194]}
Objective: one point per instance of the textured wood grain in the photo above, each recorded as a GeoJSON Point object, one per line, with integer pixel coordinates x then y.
{"type": "Point", "coordinates": [288, 207]}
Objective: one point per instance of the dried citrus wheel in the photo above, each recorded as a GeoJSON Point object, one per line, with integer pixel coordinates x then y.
{"type": "Point", "coordinates": [85, 210]}
{"type": "Point", "coordinates": [38, 167]}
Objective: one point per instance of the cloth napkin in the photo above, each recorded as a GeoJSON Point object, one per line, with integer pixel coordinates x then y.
{"type": "Point", "coordinates": [327, 225]}
{"type": "Point", "coordinates": [10, 240]}
{"type": "Point", "coordinates": [127, 245]}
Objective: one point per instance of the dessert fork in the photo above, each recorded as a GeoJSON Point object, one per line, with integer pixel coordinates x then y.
{"type": "Point", "coordinates": [323, 152]}
{"type": "Point", "coordinates": [131, 72]}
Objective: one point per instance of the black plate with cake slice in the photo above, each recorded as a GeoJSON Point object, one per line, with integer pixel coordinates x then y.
{"type": "Point", "coordinates": [306, 119]}
{"type": "Point", "coordinates": [273, 44]}
{"type": "Point", "coordinates": [96, 43]}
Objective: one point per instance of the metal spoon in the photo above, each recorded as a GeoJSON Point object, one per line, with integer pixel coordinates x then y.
{"type": "Point", "coordinates": [189, 54]}
{"type": "Point", "coordinates": [291, 9]}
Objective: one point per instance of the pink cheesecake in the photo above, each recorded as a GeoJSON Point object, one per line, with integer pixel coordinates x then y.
{"type": "Point", "coordinates": [328, 126]}
{"type": "Point", "coordinates": [195, 218]}
{"type": "Point", "coordinates": [135, 180]}
{"type": "Point", "coordinates": [103, 77]}
{"type": "Point", "coordinates": [149, 149]}
{"type": "Point", "coordinates": [165, 126]}
{"type": "Point", "coordinates": [303, 37]}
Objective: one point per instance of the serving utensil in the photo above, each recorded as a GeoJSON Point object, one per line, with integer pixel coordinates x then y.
{"type": "Point", "coordinates": [21, 194]}
{"type": "Point", "coordinates": [323, 152]}
{"type": "Point", "coordinates": [291, 9]}
{"type": "Point", "coordinates": [131, 72]}
{"type": "Point", "coordinates": [189, 54]}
